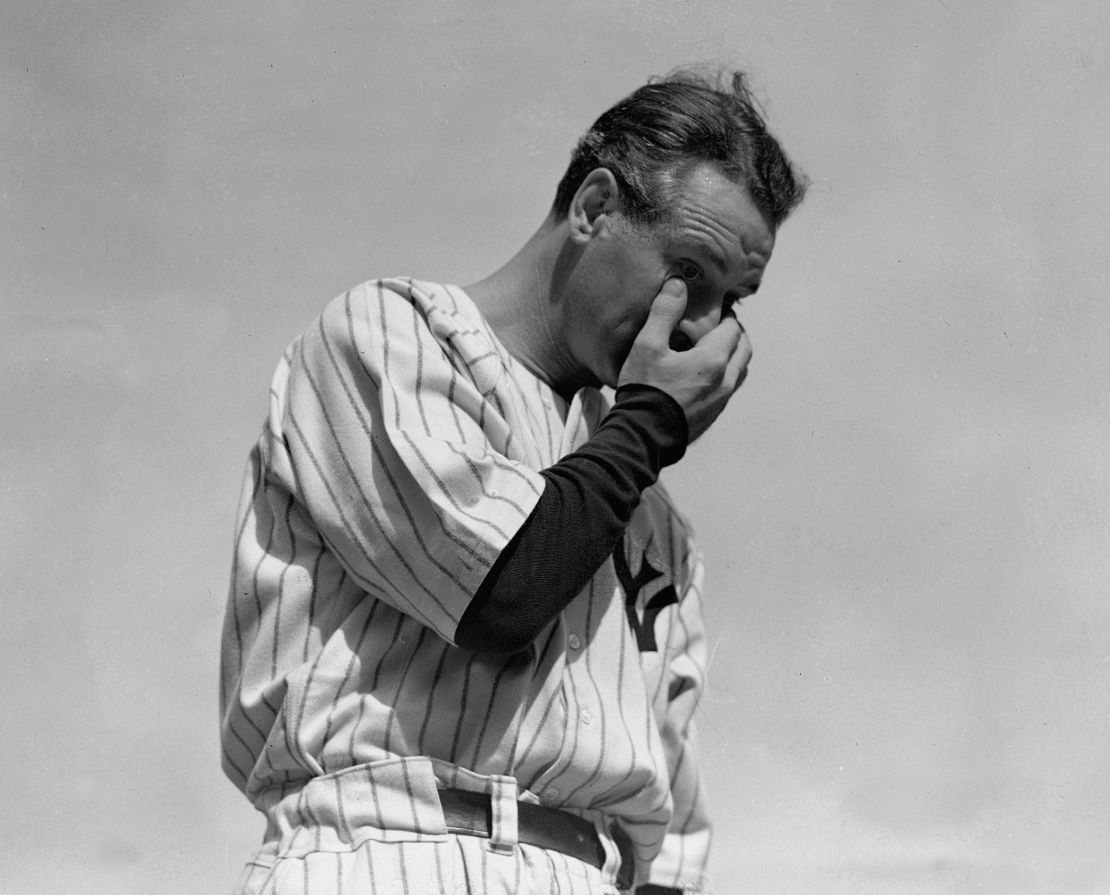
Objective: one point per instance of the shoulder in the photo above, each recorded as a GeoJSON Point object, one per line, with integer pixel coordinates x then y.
{"type": "Point", "coordinates": [444, 309]}
{"type": "Point", "coordinates": [441, 306]}
{"type": "Point", "coordinates": [396, 315]}
{"type": "Point", "coordinates": [383, 304]}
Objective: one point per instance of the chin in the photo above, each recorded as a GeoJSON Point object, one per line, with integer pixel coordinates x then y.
{"type": "Point", "coordinates": [609, 378]}
{"type": "Point", "coordinates": [612, 374]}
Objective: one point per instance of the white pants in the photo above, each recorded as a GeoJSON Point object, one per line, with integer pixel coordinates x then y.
{"type": "Point", "coordinates": [378, 829]}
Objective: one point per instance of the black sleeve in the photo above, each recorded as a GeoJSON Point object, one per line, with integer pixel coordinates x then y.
{"type": "Point", "coordinates": [587, 501]}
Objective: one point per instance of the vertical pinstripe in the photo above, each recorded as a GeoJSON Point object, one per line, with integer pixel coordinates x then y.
{"type": "Point", "coordinates": [401, 453]}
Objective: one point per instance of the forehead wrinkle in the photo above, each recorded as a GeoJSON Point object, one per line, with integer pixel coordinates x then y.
{"type": "Point", "coordinates": [715, 218]}
{"type": "Point", "coordinates": [704, 232]}
{"type": "Point", "coordinates": [691, 243]}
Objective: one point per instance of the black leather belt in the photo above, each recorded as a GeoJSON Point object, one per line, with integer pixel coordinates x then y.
{"type": "Point", "coordinates": [470, 814]}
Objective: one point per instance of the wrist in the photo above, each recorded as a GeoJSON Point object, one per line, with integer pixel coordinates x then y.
{"type": "Point", "coordinates": [663, 416]}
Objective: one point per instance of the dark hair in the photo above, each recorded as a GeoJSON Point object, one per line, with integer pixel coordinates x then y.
{"type": "Point", "coordinates": [652, 137]}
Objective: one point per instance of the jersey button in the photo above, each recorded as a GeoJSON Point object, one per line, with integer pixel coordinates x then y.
{"type": "Point", "coordinates": [573, 641]}
{"type": "Point", "coordinates": [587, 716]}
{"type": "Point", "coordinates": [551, 794]}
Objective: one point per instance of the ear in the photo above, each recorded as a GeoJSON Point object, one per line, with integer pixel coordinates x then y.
{"type": "Point", "coordinates": [597, 198]}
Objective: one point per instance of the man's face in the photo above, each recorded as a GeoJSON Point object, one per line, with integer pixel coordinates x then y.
{"type": "Point", "coordinates": [715, 240]}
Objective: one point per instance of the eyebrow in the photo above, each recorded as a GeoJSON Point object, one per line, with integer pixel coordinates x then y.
{"type": "Point", "coordinates": [710, 252]}
{"type": "Point", "coordinates": [706, 249]}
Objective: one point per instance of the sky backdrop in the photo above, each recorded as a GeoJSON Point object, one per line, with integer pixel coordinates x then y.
{"type": "Point", "coordinates": [905, 511]}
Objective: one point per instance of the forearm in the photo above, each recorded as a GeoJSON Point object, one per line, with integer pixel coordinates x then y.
{"type": "Point", "coordinates": [588, 499]}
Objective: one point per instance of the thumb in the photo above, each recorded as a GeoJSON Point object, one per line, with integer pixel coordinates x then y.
{"type": "Point", "coordinates": [666, 311]}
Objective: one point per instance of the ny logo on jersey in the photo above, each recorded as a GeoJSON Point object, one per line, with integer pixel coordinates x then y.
{"type": "Point", "coordinates": [643, 628]}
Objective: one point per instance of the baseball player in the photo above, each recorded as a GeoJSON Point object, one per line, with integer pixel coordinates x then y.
{"type": "Point", "coordinates": [463, 644]}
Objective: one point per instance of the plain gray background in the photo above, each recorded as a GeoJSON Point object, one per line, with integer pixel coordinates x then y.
{"type": "Point", "coordinates": [905, 510]}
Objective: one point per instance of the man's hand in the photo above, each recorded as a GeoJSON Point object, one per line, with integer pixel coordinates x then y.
{"type": "Point", "coordinates": [701, 379]}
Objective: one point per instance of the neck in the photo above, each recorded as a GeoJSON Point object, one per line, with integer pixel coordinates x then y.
{"type": "Point", "coordinates": [522, 302]}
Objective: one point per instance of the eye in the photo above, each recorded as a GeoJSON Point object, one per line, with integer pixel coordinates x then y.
{"type": "Point", "coordinates": [689, 271]}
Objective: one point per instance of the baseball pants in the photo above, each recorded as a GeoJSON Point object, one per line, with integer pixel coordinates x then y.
{"type": "Point", "coordinates": [378, 829]}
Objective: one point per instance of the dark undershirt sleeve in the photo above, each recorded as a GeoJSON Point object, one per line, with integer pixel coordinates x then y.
{"type": "Point", "coordinates": [587, 501]}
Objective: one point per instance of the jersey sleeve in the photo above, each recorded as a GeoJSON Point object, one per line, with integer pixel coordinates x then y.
{"type": "Point", "coordinates": [399, 458]}
{"type": "Point", "coordinates": [682, 861]}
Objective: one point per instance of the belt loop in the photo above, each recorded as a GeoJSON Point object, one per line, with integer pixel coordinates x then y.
{"type": "Point", "coordinates": [626, 872]}
{"type": "Point", "coordinates": [503, 822]}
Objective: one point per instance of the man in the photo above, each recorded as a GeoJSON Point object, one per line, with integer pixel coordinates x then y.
{"type": "Point", "coordinates": [464, 645]}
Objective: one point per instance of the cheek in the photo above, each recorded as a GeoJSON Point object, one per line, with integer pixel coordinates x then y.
{"type": "Point", "coordinates": [623, 335]}
{"type": "Point", "coordinates": [610, 339]}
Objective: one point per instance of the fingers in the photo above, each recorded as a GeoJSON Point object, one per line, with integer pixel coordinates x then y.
{"type": "Point", "coordinates": [737, 368]}
{"type": "Point", "coordinates": [666, 312]}
{"type": "Point", "coordinates": [727, 349]}
{"type": "Point", "coordinates": [701, 375]}
{"type": "Point", "coordinates": [723, 339]}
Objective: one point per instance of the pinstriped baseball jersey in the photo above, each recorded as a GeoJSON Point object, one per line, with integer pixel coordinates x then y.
{"type": "Point", "coordinates": [400, 455]}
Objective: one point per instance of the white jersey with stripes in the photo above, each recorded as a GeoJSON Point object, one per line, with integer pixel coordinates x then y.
{"type": "Point", "coordinates": [400, 455]}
